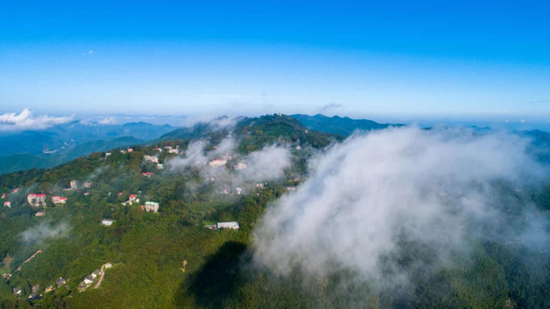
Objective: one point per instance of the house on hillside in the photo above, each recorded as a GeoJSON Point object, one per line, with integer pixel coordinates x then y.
{"type": "Point", "coordinates": [238, 190]}
{"type": "Point", "coordinates": [176, 151]}
{"type": "Point", "coordinates": [130, 150]}
{"type": "Point", "coordinates": [150, 206]}
{"type": "Point", "coordinates": [88, 280]}
{"type": "Point", "coordinates": [107, 154]}
{"type": "Point", "coordinates": [41, 213]}
{"type": "Point", "coordinates": [59, 200]}
{"type": "Point", "coordinates": [108, 265]}
{"type": "Point", "coordinates": [160, 166]}
{"type": "Point", "coordinates": [96, 273]}
{"type": "Point", "coordinates": [4, 195]}
{"type": "Point", "coordinates": [107, 222]}
{"type": "Point", "coordinates": [88, 184]}
{"type": "Point", "coordinates": [122, 151]}
{"type": "Point", "coordinates": [74, 185]}
{"type": "Point", "coordinates": [217, 163]}
{"type": "Point", "coordinates": [48, 289]}
{"type": "Point", "coordinates": [241, 166]}
{"type": "Point", "coordinates": [36, 200]}
{"type": "Point", "coordinates": [291, 188]}
{"type": "Point", "coordinates": [151, 159]}
{"type": "Point", "coordinates": [228, 225]}
{"type": "Point", "coordinates": [158, 149]}
{"type": "Point", "coordinates": [60, 282]}
{"type": "Point", "coordinates": [15, 190]}
{"type": "Point", "coordinates": [132, 199]}
{"type": "Point", "coordinates": [7, 204]}
{"type": "Point", "coordinates": [17, 291]}
{"type": "Point", "coordinates": [148, 174]}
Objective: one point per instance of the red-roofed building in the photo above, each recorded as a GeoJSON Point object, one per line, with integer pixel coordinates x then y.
{"type": "Point", "coordinates": [148, 174]}
{"type": "Point", "coordinates": [59, 200]}
{"type": "Point", "coordinates": [36, 200]}
{"type": "Point", "coordinates": [40, 213]}
{"type": "Point", "coordinates": [15, 190]}
{"type": "Point", "coordinates": [7, 204]}
{"type": "Point", "coordinates": [4, 195]}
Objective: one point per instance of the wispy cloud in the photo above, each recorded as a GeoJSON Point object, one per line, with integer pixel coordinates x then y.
{"type": "Point", "coordinates": [330, 106]}
{"type": "Point", "coordinates": [107, 120]}
{"type": "Point", "coordinates": [27, 121]}
{"type": "Point", "coordinates": [88, 53]}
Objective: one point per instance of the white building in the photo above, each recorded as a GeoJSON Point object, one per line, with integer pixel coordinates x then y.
{"type": "Point", "coordinates": [107, 222]}
{"type": "Point", "coordinates": [151, 206]}
{"type": "Point", "coordinates": [160, 166]}
{"type": "Point", "coordinates": [238, 190]}
{"type": "Point", "coordinates": [7, 204]}
{"type": "Point", "coordinates": [228, 225]}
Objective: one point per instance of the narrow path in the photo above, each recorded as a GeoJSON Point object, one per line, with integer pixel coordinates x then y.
{"type": "Point", "coordinates": [28, 260]}
{"type": "Point", "coordinates": [98, 283]}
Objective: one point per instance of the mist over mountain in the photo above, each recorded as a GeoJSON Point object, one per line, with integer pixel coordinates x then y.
{"type": "Point", "coordinates": [385, 218]}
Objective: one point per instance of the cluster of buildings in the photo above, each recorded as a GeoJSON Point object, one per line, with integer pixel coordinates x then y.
{"type": "Point", "coordinates": [88, 280]}
{"type": "Point", "coordinates": [172, 150]}
{"type": "Point", "coordinates": [151, 159]}
{"type": "Point", "coordinates": [59, 282]}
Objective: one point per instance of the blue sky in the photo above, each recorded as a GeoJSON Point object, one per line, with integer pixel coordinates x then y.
{"type": "Point", "coordinates": [362, 59]}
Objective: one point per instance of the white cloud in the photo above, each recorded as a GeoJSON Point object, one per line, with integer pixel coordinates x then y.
{"type": "Point", "coordinates": [44, 231]}
{"type": "Point", "coordinates": [432, 188]}
{"type": "Point", "coordinates": [26, 121]}
{"type": "Point", "coordinates": [107, 120]}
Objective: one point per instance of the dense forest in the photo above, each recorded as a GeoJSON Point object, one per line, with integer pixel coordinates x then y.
{"type": "Point", "coordinates": [170, 260]}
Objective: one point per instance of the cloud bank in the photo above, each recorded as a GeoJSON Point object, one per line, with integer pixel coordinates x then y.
{"type": "Point", "coordinates": [267, 164]}
{"type": "Point", "coordinates": [370, 194]}
{"type": "Point", "coordinates": [26, 121]}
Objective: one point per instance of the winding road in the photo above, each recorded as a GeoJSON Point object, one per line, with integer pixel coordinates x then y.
{"type": "Point", "coordinates": [98, 283]}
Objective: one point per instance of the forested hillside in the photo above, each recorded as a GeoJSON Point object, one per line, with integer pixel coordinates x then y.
{"type": "Point", "coordinates": [169, 259]}
{"type": "Point", "coordinates": [344, 126]}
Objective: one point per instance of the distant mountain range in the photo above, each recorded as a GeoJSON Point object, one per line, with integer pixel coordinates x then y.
{"type": "Point", "coordinates": [62, 143]}
{"type": "Point", "coordinates": [340, 125]}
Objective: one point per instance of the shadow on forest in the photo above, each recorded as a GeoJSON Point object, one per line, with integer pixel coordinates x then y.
{"type": "Point", "coordinates": [217, 279]}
